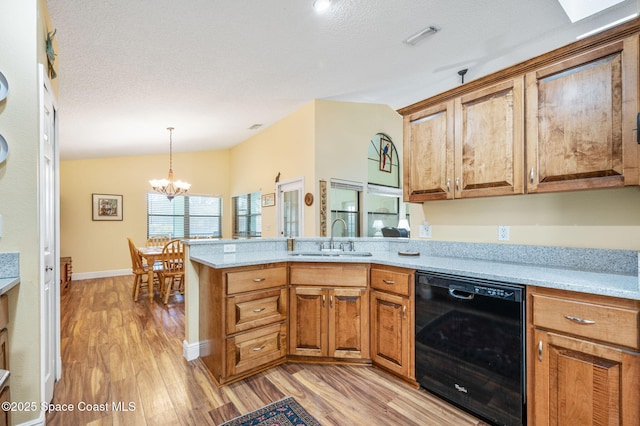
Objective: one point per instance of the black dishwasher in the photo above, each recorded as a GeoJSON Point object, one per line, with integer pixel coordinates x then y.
{"type": "Point", "coordinates": [470, 344]}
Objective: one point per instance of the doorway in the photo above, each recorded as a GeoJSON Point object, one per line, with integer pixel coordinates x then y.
{"type": "Point", "coordinates": [289, 208]}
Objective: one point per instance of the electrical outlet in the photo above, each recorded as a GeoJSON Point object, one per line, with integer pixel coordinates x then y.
{"type": "Point", "coordinates": [425, 231]}
{"type": "Point", "coordinates": [503, 233]}
{"type": "Point", "coordinates": [229, 248]}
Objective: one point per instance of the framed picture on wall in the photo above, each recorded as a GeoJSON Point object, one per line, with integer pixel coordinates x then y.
{"type": "Point", "coordinates": [269, 200]}
{"type": "Point", "coordinates": [107, 207]}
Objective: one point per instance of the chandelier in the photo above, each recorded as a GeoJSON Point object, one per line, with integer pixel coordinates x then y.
{"type": "Point", "coordinates": [168, 186]}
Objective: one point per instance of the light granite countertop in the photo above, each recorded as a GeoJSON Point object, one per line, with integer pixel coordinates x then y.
{"type": "Point", "coordinates": [621, 280]}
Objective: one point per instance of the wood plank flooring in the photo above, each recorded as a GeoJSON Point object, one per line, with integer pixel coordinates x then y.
{"type": "Point", "coordinates": [122, 365]}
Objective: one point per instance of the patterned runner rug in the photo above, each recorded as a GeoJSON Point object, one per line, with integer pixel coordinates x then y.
{"type": "Point", "coordinates": [286, 412]}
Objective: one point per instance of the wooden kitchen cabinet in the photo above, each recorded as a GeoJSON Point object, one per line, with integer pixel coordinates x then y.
{"type": "Point", "coordinates": [471, 146]}
{"type": "Point", "coordinates": [243, 319]}
{"type": "Point", "coordinates": [329, 311]}
{"type": "Point", "coordinates": [392, 320]}
{"type": "Point", "coordinates": [581, 120]}
{"type": "Point", "coordinates": [428, 153]}
{"type": "Point", "coordinates": [584, 363]}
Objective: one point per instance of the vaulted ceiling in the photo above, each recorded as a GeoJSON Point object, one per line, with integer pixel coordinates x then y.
{"type": "Point", "coordinates": [128, 69]}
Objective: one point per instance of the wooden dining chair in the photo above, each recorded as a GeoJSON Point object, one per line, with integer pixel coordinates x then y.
{"type": "Point", "coordinates": [172, 271]}
{"type": "Point", "coordinates": [158, 240]}
{"type": "Point", "coordinates": [139, 270]}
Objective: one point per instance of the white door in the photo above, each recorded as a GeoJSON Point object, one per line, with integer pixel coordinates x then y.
{"type": "Point", "coordinates": [289, 208]}
{"type": "Point", "coordinates": [48, 210]}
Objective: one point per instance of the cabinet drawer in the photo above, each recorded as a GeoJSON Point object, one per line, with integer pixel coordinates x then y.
{"type": "Point", "coordinates": [251, 310]}
{"type": "Point", "coordinates": [256, 348]}
{"type": "Point", "coordinates": [256, 279]}
{"type": "Point", "coordinates": [391, 281]}
{"type": "Point", "coordinates": [342, 275]}
{"type": "Point", "coordinates": [618, 326]}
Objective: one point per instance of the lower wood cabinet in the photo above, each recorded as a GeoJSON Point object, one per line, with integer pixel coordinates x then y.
{"type": "Point", "coordinates": [392, 320]}
{"type": "Point", "coordinates": [243, 319]}
{"type": "Point", "coordinates": [584, 365]}
{"type": "Point", "coordinates": [329, 311]}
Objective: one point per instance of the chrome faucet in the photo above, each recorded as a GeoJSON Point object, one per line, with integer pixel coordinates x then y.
{"type": "Point", "coordinates": [332, 225]}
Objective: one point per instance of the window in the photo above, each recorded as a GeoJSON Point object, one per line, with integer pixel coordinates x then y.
{"type": "Point", "coordinates": [247, 215]}
{"type": "Point", "coordinates": [382, 211]}
{"type": "Point", "coordinates": [190, 216]}
{"type": "Point", "coordinates": [345, 205]}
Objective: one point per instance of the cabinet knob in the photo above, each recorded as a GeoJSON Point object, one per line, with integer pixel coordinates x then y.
{"type": "Point", "coordinates": [404, 312]}
{"type": "Point", "coordinates": [390, 282]}
{"type": "Point", "coordinates": [259, 349]}
{"type": "Point", "coordinates": [258, 280]}
{"type": "Point", "coordinates": [448, 185]}
{"type": "Point", "coordinates": [457, 184]}
{"type": "Point", "coordinates": [531, 176]}
{"type": "Point", "coordinates": [259, 310]}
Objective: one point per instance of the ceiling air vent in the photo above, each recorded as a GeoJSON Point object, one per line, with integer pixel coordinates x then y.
{"type": "Point", "coordinates": [255, 127]}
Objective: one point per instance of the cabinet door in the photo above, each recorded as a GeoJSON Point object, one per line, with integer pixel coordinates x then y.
{"type": "Point", "coordinates": [348, 323]}
{"type": "Point", "coordinates": [581, 119]}
{"type": "Point", "coordinates": [579, 382]}
{"type": "Point", "coordinates": [391, 333]}
{"type": "Point", "coordinates": [428, 154]}
{"type": "Point", "coordinates": [308, 321]}
{"type": "Point", "coordinates": [489, 141]}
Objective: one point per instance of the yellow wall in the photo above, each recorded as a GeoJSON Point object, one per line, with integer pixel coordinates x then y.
{"type": "Point", "coordinates": [22, 28]}
{"type": "Point", "coordinates": [285, 147]}
{"type": "Point", "coordinates": [606, 218]}
{"type": "Point", "coordinates": [98, 246]}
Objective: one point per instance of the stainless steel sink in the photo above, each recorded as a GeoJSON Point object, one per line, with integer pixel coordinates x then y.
{"type": "Point", "coordinates": [331, 253]}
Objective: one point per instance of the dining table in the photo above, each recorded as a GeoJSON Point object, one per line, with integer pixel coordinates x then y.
{"type": "Point", "coordinates": [151, 254]}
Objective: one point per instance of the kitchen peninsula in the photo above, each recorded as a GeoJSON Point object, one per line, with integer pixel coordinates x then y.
{"type": "Point", "coordinates": [253, 304]}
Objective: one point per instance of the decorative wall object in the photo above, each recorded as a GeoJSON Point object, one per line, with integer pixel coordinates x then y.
{"type": "Point", "coordinates": [308, 198]}
{"type": "Point", "coordinates": [269, 200]}
{"type": "Point", "coordinates": [107, 207]}
{"type": "Point", "coordinates": [323, 208]}
{"type": "Point", "coordinates": [386, 154]}
{"type": "Point", "coordinates": [51, 54]}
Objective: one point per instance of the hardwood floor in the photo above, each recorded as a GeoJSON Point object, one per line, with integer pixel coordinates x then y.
{"type": "Point", "coordinates": [122, 364]}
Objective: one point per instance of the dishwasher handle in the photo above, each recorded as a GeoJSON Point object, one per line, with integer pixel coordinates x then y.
{"type": "Point", "coordinates": [453, 292]}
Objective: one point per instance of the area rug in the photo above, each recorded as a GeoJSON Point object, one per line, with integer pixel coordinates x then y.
{"type": "Point", "coordinates": [286, 412]}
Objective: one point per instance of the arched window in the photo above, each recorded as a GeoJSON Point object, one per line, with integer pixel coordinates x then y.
{"type": "Point", "coordinates": [383, 202]}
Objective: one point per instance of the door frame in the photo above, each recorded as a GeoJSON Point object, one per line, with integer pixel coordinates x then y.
{"type": "Point", "coordinates": [297, 183]}
{"type": "Point", "coordinates": [46, 94]}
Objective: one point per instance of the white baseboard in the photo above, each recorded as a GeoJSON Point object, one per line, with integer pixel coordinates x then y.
{"type": "Point", "coordinates": [99, 274]}
{"type": "Point", "coordinates": [190, 351]}
{"type": "Point", "coordinates": [40, 421]}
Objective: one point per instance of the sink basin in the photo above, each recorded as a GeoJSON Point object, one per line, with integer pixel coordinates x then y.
{"type": "Point", "coordinates": [332, 253]}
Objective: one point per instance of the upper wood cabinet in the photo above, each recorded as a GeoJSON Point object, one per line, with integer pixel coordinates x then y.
{"type": "Point", "coordinates": [489, 141]}
{"type": "Point", "coordinates": [471, 146]}
{"type": "Point", "coordinates": [428, 153]}
{"type": "Point", "coordinates": [562, 121]}
{"type": "Point", "coordinates": [581, 116]}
